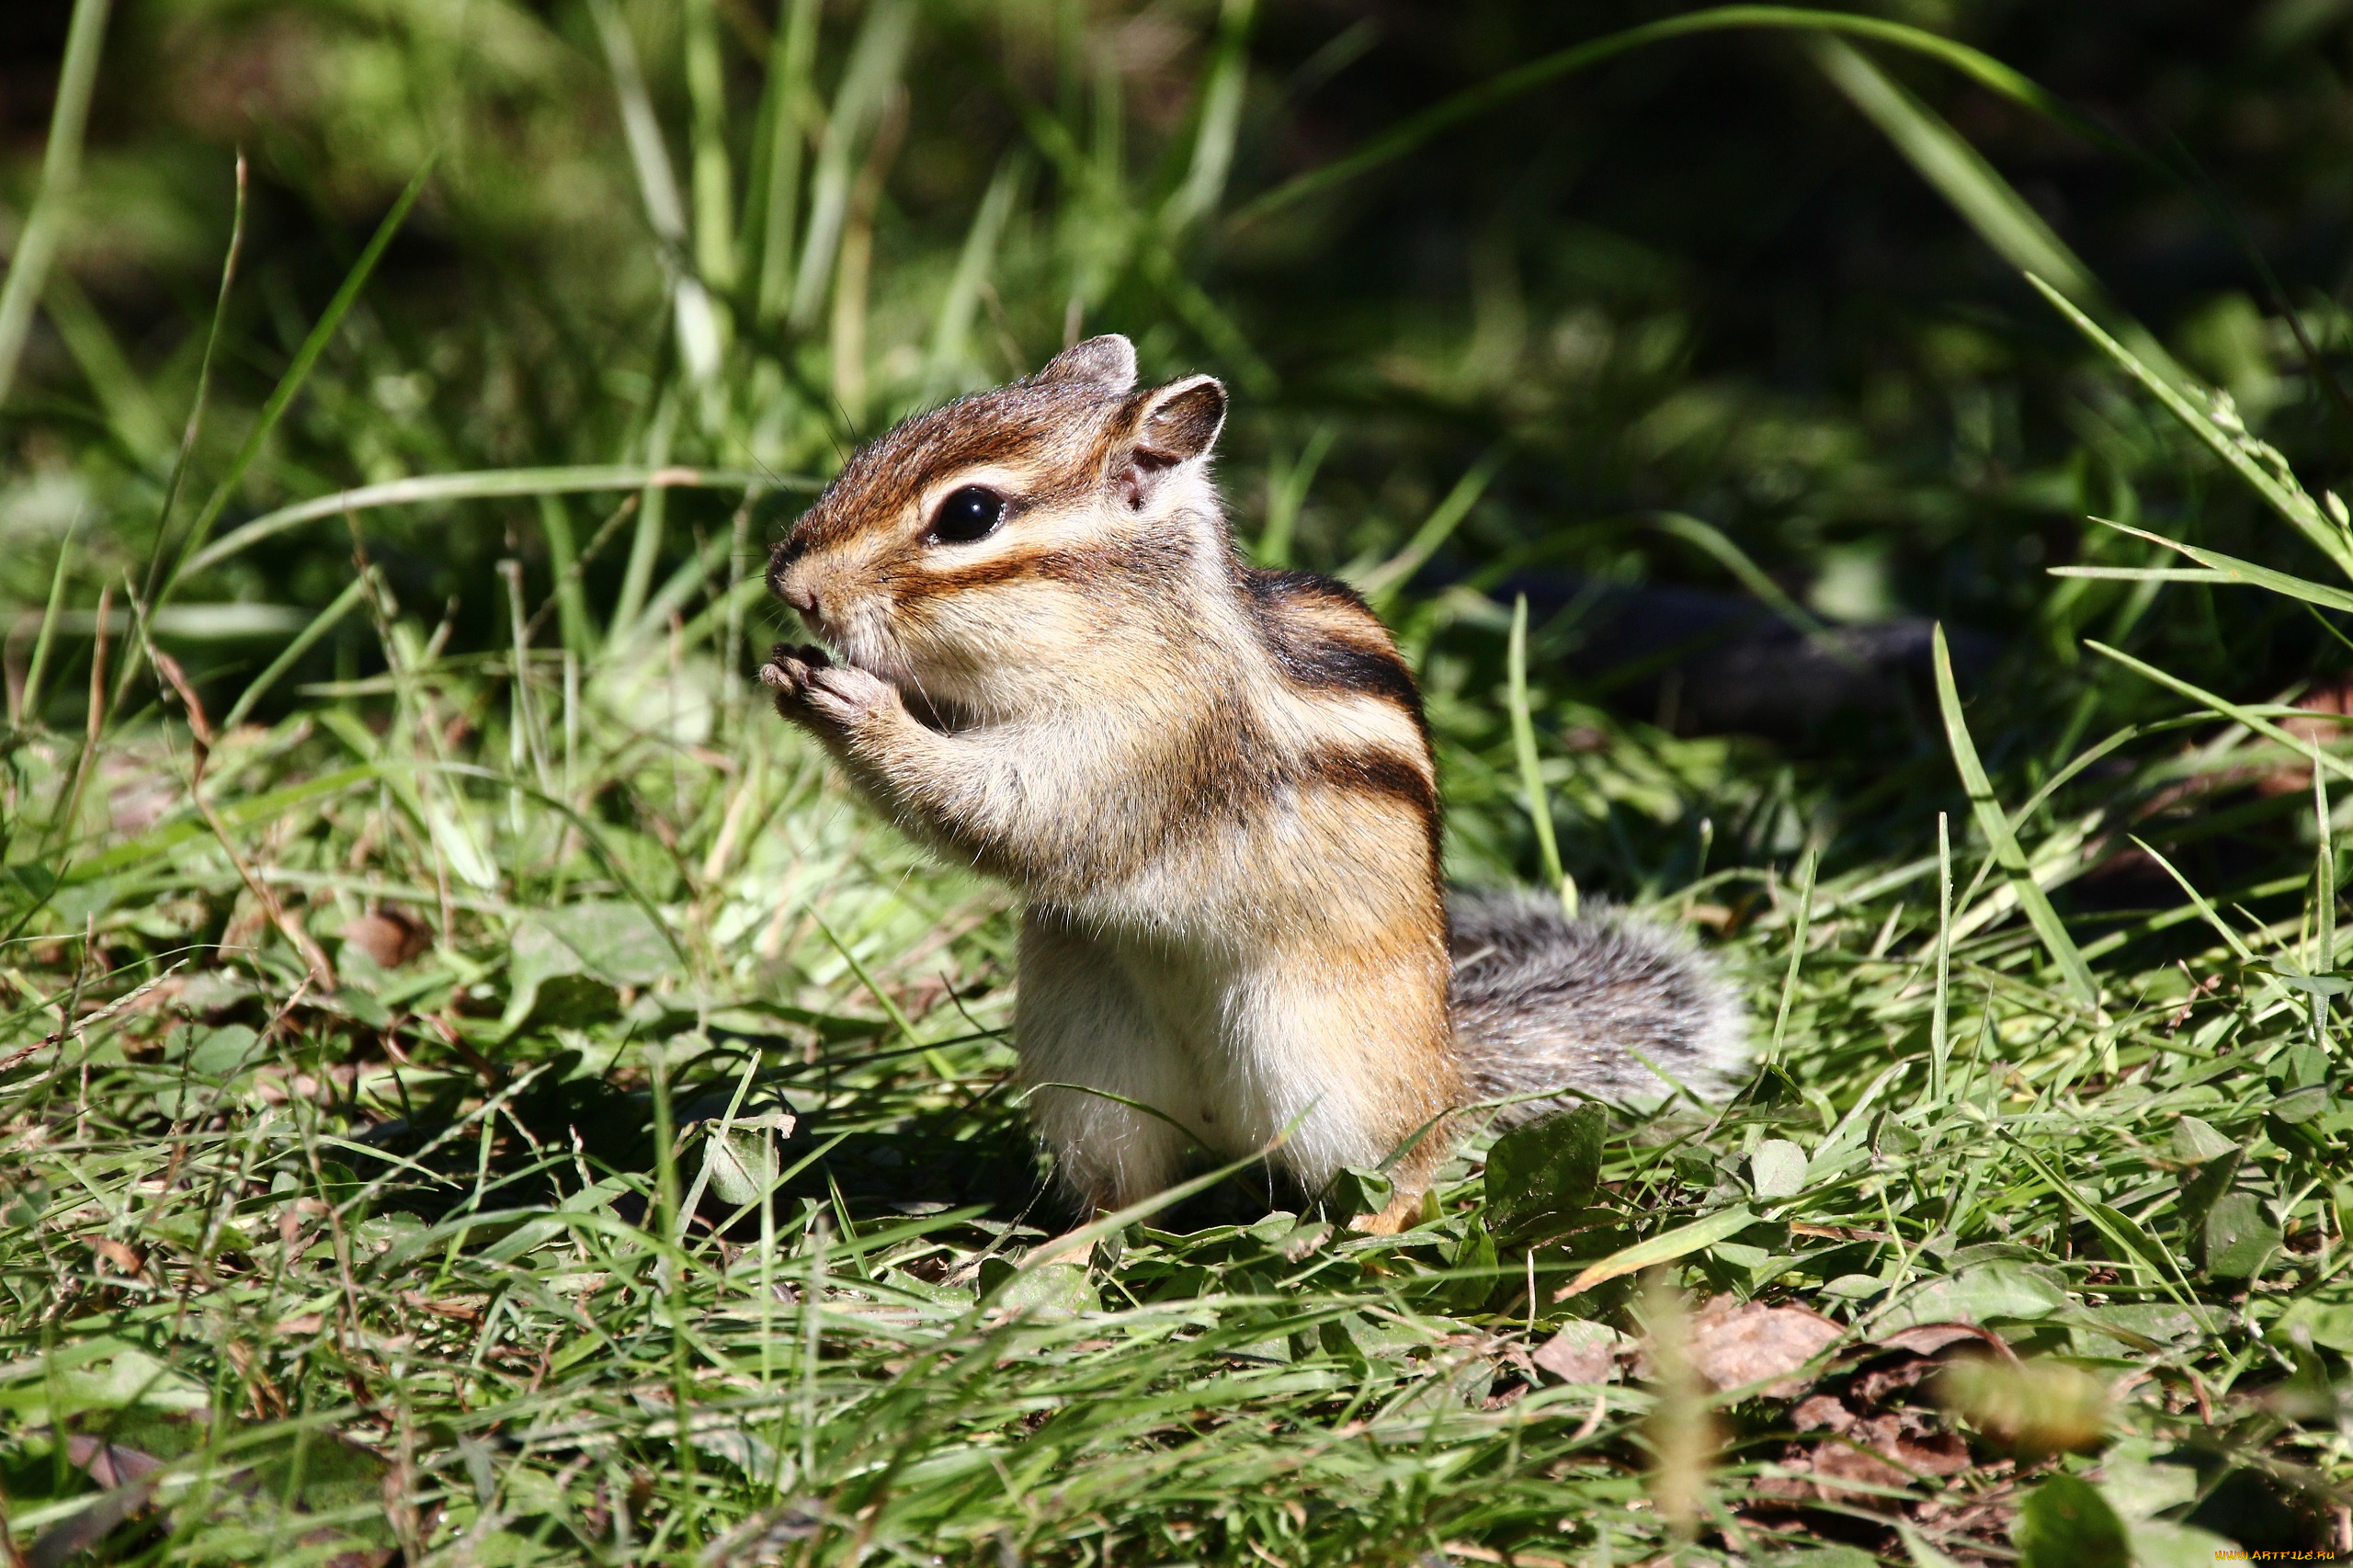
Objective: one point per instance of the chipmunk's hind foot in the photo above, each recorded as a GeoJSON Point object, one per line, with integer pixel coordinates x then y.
{"type": "Point", "coordinates": [1605, 1002]}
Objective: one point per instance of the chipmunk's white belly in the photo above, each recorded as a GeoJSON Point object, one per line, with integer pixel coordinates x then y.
{"type": "Point", "coordinates": [1224, 1045]}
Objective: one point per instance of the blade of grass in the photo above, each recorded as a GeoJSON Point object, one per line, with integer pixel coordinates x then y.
{"type": "Point", "coordinates": [1412, 132]}
{"type": "Point", "coordinates": [1382, 584]}
{"type": "Point", "coordinates": [1682, 1241]}
{"type": "Point", "coordinates": [61, 826]}
{"type": "Point", "coordinates": [673, 1277]}
{"type": "Point", "coordinates": [481, 485]}
{"type": "Point", "coordinates": [676, 589]}
{"type": "Point", "coordinates": [1940, 1039]}
{"type": "Point", "coordinates": [645, 539]}
{"type": "Point", "coordinates": [876, 58]}
{"type": "Point", "coordinates": [130, 406]}
{"type": "Point", "coordinates": [1084, 1239]}
{"type": "Point", "coordinates": [2316, 756]}
{"type": "Point", "coordinates": [792, 60]}
{"type": "Point", "coordinates": [1986, 201]}
{"type": "Point", "coordinates": [1288, 483]}
{"type": "Point", "coordinates": [564, 560]}
{"type": "Point", "coordinates": [692, 308]}
{"type": "Point", "coordinates": [289, 386]}
{"type": "Point", "coordinates": [1218, 123]}
{"type": "Point", "coordinates": [2277, 488]}
{"type": "Point", "coordinates": [853, 262]}
{"type": "Point", "coordinates": [1718, 548]}
{"type": "Point", "coordinates": [526, 732]}
{"type": "Point", "coordinates": [2220, 568]}
{"type": "Point", "coordinates": [1994, 823]}
{"type": "Point", "coordinates": [2143, 574]}
{"type": "Point", "coordinates": [322, 623]}
{"type": "Point", "coordinates": [2323, 959]}
{"type": "Point", "coordinates": [1532, 772]}
{"type": "Point", "coordinates": [945, 367]}
{"type": "Point", "coordinates": [2122, 1232]}
{"type": "Point", "coordinates": [195, 424]}
{"type": "Point", "coordinates": [61, 173]}
{"type": "Point", "coordinates": [28, 698]}
{"type": "Point", "coordinates": [714, 182]}
{"type": "Point", "coordinates": [873, 988]}
{"type": "Point", "coordinates": [1800, 929]}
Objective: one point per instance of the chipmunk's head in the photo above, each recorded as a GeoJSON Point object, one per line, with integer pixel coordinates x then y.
{"type": "Point", "coordinates": [987, 556]}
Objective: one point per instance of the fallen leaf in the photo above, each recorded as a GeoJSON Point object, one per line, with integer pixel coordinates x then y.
{"type": "Point", "coordinates": [1581, 1353]}
{"type": "Point", "coordinates": [1840, 1467]}
{"type": "Point", "coordinates": [124, 1474]}
{"type": "Point", "coordinates": [1821, 1413]}
{"type": "Point", "coordinates": [127, 1261]}
{"type": "Point", "coordinates": [388, 936]}
{"type": "Point", "coordinates": [1739, 1345]}
{"type": "Point", "coordinates": [111, 1464]}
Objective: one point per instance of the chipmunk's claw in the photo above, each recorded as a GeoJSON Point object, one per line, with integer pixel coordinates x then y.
{"type": "Point", "coordinates": [789, 662]}
{"type": "Point", "coordinates": [809, 688]}
{"type": "Point", "coordinates": [843, 696]}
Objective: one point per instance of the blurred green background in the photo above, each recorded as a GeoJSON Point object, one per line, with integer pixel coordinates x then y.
{"type": "Point", "coordinates": [1695, 279]}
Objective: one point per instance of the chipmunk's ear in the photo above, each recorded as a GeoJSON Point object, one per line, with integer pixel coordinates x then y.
{"type": "Point", "coordinates": [1109, 362]}
{"type": "Point", "coordinates": [1170, 425]}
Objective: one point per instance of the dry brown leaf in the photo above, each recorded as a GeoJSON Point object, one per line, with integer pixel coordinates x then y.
{"type": "Point", "coordinates": [1835, 1463]}
{"type": "Point", "coordinates": [127, 1261]}
{"type": "Point", "coordinates": [1822, 1413]}
{"type": "Point", "coordinates": [111, 1464]}
{"type": "Point", "coordinates": [388, 936]}
{"type": "Point", "coordinates": [1581, 1353]}
{"type": "Point", "coordinates": [1743, 1344]}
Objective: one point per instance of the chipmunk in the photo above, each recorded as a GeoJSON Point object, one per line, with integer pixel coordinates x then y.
{"type": "Point", "coordinates": [1213, 787]}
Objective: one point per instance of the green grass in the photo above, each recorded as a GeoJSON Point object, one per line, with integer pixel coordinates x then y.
{"type": "Point", "coordinates": [634, 1070]}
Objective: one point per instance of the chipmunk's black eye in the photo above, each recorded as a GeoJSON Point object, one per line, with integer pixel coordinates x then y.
{"type": "Point", "coordinates": [968, 514]}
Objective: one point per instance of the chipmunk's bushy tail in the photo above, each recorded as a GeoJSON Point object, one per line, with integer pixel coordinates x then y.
{"type": "Point", "coordinates": [1605, 1002]}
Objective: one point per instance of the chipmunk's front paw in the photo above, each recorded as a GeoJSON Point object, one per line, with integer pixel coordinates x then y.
{"type": "Point", "coordinates": [812, 689]}
{"type": "Point", "coordinates": [844, 697]}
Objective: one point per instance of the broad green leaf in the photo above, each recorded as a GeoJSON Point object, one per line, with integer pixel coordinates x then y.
{"type": "Point", "coordinates": [2065, 1523]}
{"type": "Point", "coordinates": [1546, 1170]}
{"type": "Point", "coordinates": [617, 941]}
{"type": "Point", "coordinates": [1980, 1293]}
{"type": "Point", "coordinates": [2238, 1236]}
{"type": "Point", "coordinates": [566, 965]}
{"type": "Point", "coordinates": [105, 1374]}
{"type": "Point", "coordinates": [1777, 1168]}
{"type": "Point", "coordinates": [1358, 1190]}
{"type": "Point", "coordinates": [2316, 1322]}
{"type": "Point", "coordinates": [2161, 1543]}
{"type": "Point", "coordinates": [2196, 1143]}
{"type": "Point", "coordinates": [1051, 1291]}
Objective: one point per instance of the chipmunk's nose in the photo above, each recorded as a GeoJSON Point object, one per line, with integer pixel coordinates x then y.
{"type": "Point", "coordinates": [788, 585]}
